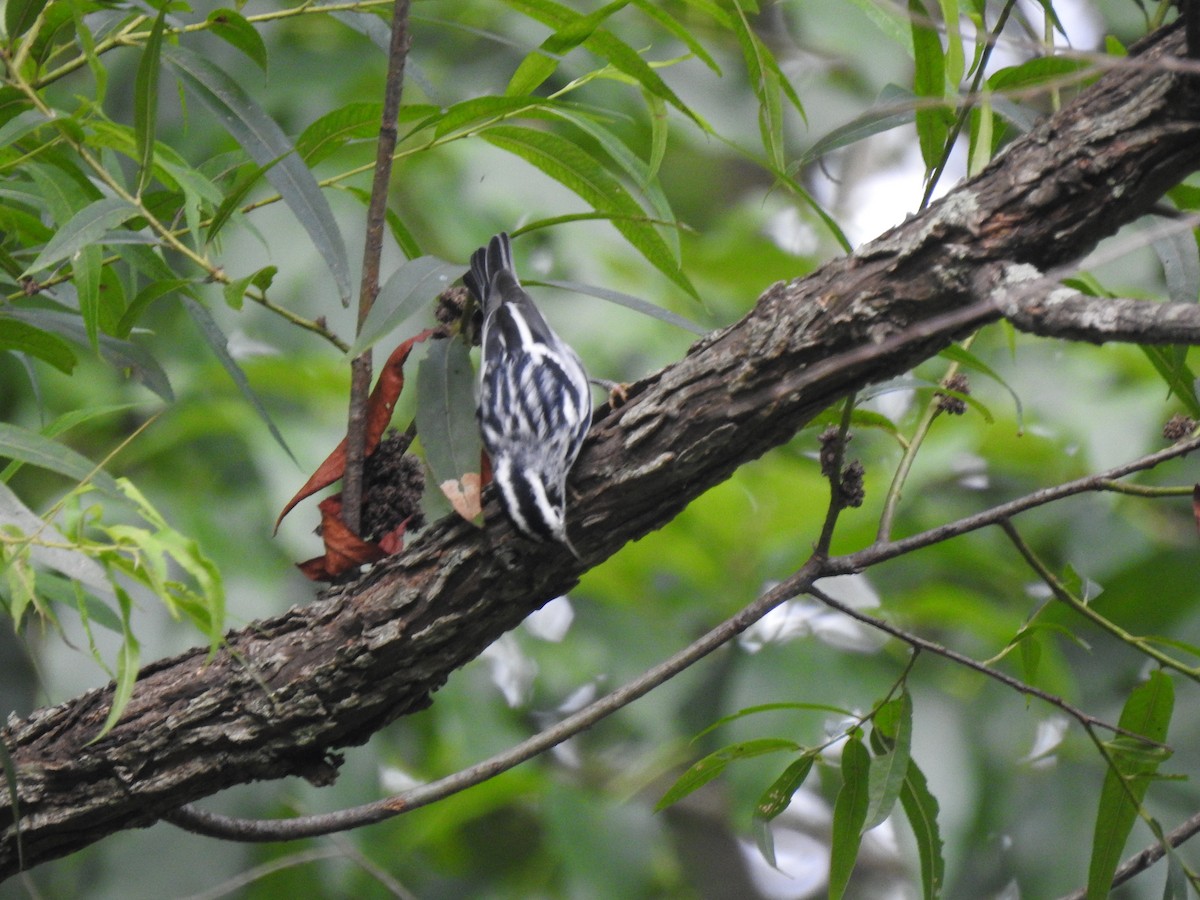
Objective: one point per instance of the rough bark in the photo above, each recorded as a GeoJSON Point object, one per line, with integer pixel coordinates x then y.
{"type": "Point", "coordinates": [289, 691]}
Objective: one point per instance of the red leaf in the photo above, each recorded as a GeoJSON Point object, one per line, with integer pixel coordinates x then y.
{"type": "Point", "coordinates": [344, 550]}
{"type": "Point", "coordinates": [1196, 505]}
{"type": "Point", "coordinates": [379, 413]}
{"type": "Point", "coordinates": [393, 541]}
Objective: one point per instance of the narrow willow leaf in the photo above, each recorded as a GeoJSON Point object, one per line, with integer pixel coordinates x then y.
{"type": "Point", "coordinates": [849, 815]}
{"type": "Point", "coordinates": [643, 176]}
{"type": "Point", "coordinates": [541, 63]}
{"type": "Point", "coordinates": [1177, 375]}
{"type": "Point", "coordinates": [1147, 712]}
{"type": "Point", "coordinates": [629, 302]}
{"type": "Point", "coordinates": [326, 135]}
{"type": "Point", "coordinates": [894, 107]}
{"type": "Point", "coordinates": [658, 135]}
{"type": "Point", "coordinates": [145, 100]}
{"type": "Point", "coordinates": [127, 666]}
{"type": "Point", "coordinates": [981, 135]}
{"type": "Point", "coordinates": [219, 345]}
{"type": "Point", "coordinates": [409, 289]}
{"type": "Point", "coordinates": [237, 193]}
{"type": "Point", "coordinates": [86, 276]}
{"type": "Point", "coordinates": [86, 227]}
{"type": "Point", "coordinates": [606, 45]}
{"type": "Point", "coordinates": [38, 450]}
{"type": "Point", "coordinates": [890, 19]}
{"type": "Point", "coordinates": [929, 81]}
{"type": "Point", "coordinates": [151, 292]}
{"type": "Point", "coordinates": [776, 798]}
{"type": "Point", "coordinates": [955, 58]}
{"type": "Point", "coordinates": [921, 810]}
{"type": "Point", "coordinates": [889, 768]}
{"type": "Point", "coordinates": [1181, 266]}
{"type": "Point", "coordinates": [22, 337]}
{"type": "Point", "coordinates": [708, 768]}
{"type": "Point", "coordinates": [681, 31]}
{"type": "Point", "coordinates": [579, 171]}
{"type": "Point", "coordinates": [61, 556]}
{"type": "Point", "coordinates": [20, 125]}
{"type": "Point", "coordinates": [265, 142]}
{"type": "Point", "coordinates": [446, 411]}
{"type": "Point", "coordinates": [233, 28]}
{"type": "Point", "coordinates": [773, 707]}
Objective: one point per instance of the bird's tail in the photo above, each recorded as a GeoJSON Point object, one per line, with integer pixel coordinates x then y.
{"type": "Point", "coordinates": [485, 263]}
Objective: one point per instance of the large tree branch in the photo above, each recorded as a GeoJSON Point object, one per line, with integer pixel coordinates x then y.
{"type": "Point", "coordinates": [288, 691]}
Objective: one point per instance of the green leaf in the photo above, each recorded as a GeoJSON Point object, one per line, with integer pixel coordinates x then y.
{"type": "Point", "coordinates": [232, 27]}
{"type": "Point", "coordinates": [1147, 712]}
{"type": "Point", "coordinates": [21, 337]}
{"type": "Point", "coordinates": [49, 547]}
{"type": "Point", "coordinates": [1174, 370]}
{"type": "Point", "coordinates": [145, 101]}
{"type": "Point", "coordinates": [892, 739]}
{"type": "Point", "coordinates": [776, 798]}
{"type": "Point", "coordinates": [774, 707]}
{"type": "Point", "coordinates": [890, 19]}
{"type": "Point", "coordinates": [127, 666]}
{"type": "Point", "coordinates": [238, 191]}
{"type": "Point", "coordinates": [265, 142]}
{"type": "Point", "coordinates": [929, 81]}
{"type": "Point", "coordinates": [541, 63]}
{"type": "Point", "coordinates": [409, 289]}
{"type": "Point", "coordinates": [708, 768]}
{"type": "Point", "coordinates": [606, 45]}
{"type": "Point", "coordinates": [629, 302]}
{"type": "Point", "coordinates": [681, 31]}
{"type": "Point", "coordinates": [19, 16]}
{"type": "Point", "coordinates": [849, 815]}
{"type": "Point", "coordinates": [155, 290]}
{"type": "Point", "coordinates": [235, 291]}
{"type": "Point", "coordinates": [955, 59]}
{"type": "Point", "coordinates": [86, 227]}
{"type": "Point", "coordinates": [219, 345]}
{"type": "Point", "coordinates": [446, 411]}
{"type": "Point", "coordinates": [20, 125]}
{"type": "Point", "coordinates": [893, 108]}
{"type": "Point", "coordinates": [577, 170]}
{"type": "Point", "coordinates": [921, 809]}
{"type": "Point", "coordinates": [37, 450]}
{"type": "Point", "coordinates": [326, 135]}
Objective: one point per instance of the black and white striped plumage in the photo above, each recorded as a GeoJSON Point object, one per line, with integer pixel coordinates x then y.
{"type": "Point", "coordinates": [535, 403]}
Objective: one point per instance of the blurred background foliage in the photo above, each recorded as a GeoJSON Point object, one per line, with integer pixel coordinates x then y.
{"type": "Point", "coordinates": [1017, 785]}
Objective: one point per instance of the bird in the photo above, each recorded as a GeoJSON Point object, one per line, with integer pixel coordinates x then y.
{"type": "Point", "coordinates": [535, 403]}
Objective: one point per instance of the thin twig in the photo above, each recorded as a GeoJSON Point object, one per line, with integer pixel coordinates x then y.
{"type": "Point", "coordinates": [266, 830]}
{"type": "Point", "coordinates": [1139, 862]}
{"type": "Point", "coordinates": [920, 643]}
{"type": "Point", "coordinates": [360, 378]}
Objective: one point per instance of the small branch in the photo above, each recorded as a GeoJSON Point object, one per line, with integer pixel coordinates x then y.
{"type": "Point", "coordinates": [360, 379]}
{"type": "Point", "coordinates": [267, 830]}
{"type": "Point", "coordinates": [892, 500]}
{"type": "Point", "coordinates": [876, 553]}
{"type": "Point", "coordinates": [1034, 302]}
{"type": "Point", "coordinates": [1139, 862]}
{"type": "Point", "coordinates": [920, 643]}
{"type": "Point", "coordinates": [1061, 592]}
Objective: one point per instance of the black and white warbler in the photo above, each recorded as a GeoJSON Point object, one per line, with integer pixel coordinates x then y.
{"type": "Point", "coordinates": [535, 403]}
